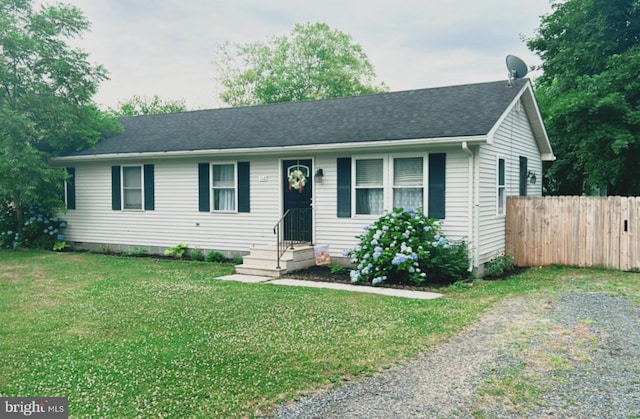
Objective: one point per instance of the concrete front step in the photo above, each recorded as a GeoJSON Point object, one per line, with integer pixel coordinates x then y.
{"type": "Point", "coordinates": [287, 253]}
{"type": "Point", "coordinates": [263, 260]}
{"type": "Point", "coordinates": [245, 269]}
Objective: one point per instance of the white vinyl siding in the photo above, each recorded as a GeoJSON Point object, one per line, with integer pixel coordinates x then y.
{"type": "Point", "coordinates": [514, 138]}
{"type": "Point", "coordinates": [176, 217]}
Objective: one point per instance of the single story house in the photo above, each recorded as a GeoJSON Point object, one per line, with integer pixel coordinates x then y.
{"type": "Point", "coordinates": [222, 179]}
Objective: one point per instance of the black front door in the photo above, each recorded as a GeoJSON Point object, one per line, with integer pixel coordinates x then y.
{"type": "Point", "coordinates": [297, 188]}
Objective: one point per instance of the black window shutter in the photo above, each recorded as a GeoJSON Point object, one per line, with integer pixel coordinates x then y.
{"type": "Point", "coordinates": [71, 188]}
{"type": "Point", "coordinates": [149, 185]}
{"type": "Point", "coordinates": [116, 201]}
{"type": "Point", "coordinates": [203, 188]}
{"type": "Point", "coordinates": [523, 176]}
{"type": "Point", "coordinates": [437, 169]}
{"type": "Point", "coordinates": [244, 187]}
{"type": "Point", "coordinates": [344, 187]}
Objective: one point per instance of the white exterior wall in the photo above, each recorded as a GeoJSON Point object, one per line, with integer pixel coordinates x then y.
{"type": "Point", "coordinates": [176, 217]}
{"type": "Point", "coordinates": [514, 138]}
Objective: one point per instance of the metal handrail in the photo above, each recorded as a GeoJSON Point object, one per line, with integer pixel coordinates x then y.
{"type": "Point", "coordinates": [276, 231]}
{"type": "Point", "coordinates": [293, 219]}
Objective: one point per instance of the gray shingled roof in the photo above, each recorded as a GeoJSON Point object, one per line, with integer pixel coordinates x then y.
{"type": "Point", "coordinates": [455, 111]}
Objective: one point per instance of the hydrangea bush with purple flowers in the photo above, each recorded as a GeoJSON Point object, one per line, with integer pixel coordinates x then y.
{"type": "Point", "coordinates": [405, 246]}
{"type": "Point", "coordinates": [40, 228]}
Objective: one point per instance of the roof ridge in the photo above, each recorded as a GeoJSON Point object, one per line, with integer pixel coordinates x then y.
{"type": "Point", "coordinates": [339, 98]}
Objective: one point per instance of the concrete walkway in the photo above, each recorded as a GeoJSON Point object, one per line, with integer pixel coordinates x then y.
{"type": "Point", "coordinates": [392, 292]}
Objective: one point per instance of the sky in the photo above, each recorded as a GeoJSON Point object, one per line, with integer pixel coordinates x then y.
{"type": "Point", "coordinates": [167, 47]}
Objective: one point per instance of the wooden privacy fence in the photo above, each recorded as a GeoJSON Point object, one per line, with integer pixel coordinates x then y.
{"type": "Point", "coordinates": [574, 231]}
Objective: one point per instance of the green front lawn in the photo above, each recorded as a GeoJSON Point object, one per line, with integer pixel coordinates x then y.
{"type": "Point", "coordinates": [124, 337]}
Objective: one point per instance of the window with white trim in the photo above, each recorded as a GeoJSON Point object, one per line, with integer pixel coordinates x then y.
{"type": "Point", "coordinates": [408, 182]}
{"type": "Point", "coordinates": [132, 197]}
{"type": "Point", "coordinates": [224, 187]}
{"type": "Point", "coordinates": [501, 192]}
{"type": "Point", "coordinates": [369, 186]}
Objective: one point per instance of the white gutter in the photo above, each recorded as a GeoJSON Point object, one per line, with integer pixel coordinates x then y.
{"type": "Point", "coordinates": [276, 150]}
{"type": "Point", "coordinates": [470, 206]}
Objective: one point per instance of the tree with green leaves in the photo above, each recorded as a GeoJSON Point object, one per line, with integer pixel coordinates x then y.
{"type": "Point", "coordinates": [142, 105]}
{"type": "Point", "coordinates": [46, 107]}
{"type": "Point", "coordinates": [589, 95]}
{"type": "Point", "coordinates": [312, 62]}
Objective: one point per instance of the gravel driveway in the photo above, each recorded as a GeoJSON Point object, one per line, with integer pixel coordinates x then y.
{"type": "Point", "coordinates": [570, 355]}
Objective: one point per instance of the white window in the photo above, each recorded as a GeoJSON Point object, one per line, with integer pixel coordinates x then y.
{"type": "Point", "coordinates": [501, 188]}
{"type": "Point", "coordinates": [224, 187]}
{"type": "Point", "coordinates": [408, 181]}
{"type": "Point", "coordinates": [369, 186]}
{"type": "Point", "coordinates": [132, 187]}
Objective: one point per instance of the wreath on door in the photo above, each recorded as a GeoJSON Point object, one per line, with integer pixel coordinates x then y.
{"type": "Point", "coordinates": [297, 180]}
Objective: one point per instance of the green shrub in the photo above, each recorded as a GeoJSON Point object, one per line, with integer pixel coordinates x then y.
{"type": "Point", "coordinates": [59, 246]}
{"type": "Point", "coordinates": [40, 228]}
{"type": "Point", "coordinates": [197, 254]}
{"type": "Point", "coordinates": [499, 265]}
{"type": "Point", "coordinates": [449, 264]}
{"type": "Point", "coordinates": [216, 257]}
{"type": "Point", "coordinates": [407, 247]}
{"type": "Point", "coordinates": [176, 251]}
{"type": "Point", "coordinates": [337, 269]}
{"type": "Point", "coordinates": [137, 252]}
{"type": "Point", "coordinates": [237, 261]}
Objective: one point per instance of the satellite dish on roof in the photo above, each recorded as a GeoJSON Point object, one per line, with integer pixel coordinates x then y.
{"type": "Point", "coordinates": [517, 68]}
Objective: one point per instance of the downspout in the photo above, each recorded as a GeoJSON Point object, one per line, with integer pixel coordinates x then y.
{"type": "Point", "coordinates": [470, 207]}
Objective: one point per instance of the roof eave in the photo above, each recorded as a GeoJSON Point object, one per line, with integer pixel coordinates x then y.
{"type": "Point", "coordinates": [535, 120]}
{"type": "Point", "coordinates": [471, 140]}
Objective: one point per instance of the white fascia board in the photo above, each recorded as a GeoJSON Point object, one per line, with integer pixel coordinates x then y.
{"type": "Point", "coordinates": [535, 120]}
{"type": "Point", "coordinates": [531, 106]}
{"type": "Point", "coordinates": [548, 157]}
{"type": "Point", "coordinates": [479, 139]}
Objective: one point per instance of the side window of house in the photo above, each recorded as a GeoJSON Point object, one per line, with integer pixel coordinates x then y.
{"type": "Point", "coordinates": [133, 187]}
{"type": "Point", "coordinates": [501, 187]}
{"type": "Point", "coordinates": [70, 189]}
{"type": "Point", "coordinates": [524, 170]}
{"type": "Point", "coordinates": [369, 186]}
{"type": "Point", "coordinates": [223, 187]}
{"type": "Point", "coordinates": [408, 181]}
